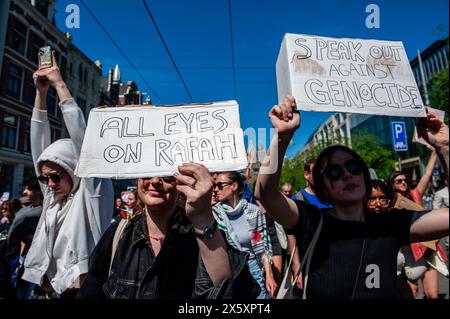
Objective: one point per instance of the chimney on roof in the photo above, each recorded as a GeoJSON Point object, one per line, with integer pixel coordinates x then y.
{"type": "Point", "coordinates": [116, 76]}
{"type": "Point", "coordinates": [110, 79]}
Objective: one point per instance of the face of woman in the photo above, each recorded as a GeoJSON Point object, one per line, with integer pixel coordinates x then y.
{"type": "Point", "coordinates": [224, 188]}
{"type": "Point", "coordinates": [400, 184]}
{"type": "Point", "coordinates": [156, 193]}
{"type": "Point", "coordinates": [378, 202]}
{"type": "Point", "coordinates": [344, 178]}
{"type": "Point", "coordinates": [5, 212]}
{"type": "Point", "coordinates": [118, 202]}
{"type": "Point", "coordinates": [56, 179]}
{"type": "Point", "coordinates": [131, 200]}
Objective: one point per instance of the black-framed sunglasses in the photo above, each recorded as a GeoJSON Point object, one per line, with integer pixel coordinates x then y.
{"type": "Point", "coordinates": [221, 185]}
{"type": "Point", "coordinates": [353, 166]}
{"type": "Point", "coordinates": [165, 179]}
{"type": "Point", "coordinates": [400, 180]}
{"type": "Point", "coordinates": [55, 177]}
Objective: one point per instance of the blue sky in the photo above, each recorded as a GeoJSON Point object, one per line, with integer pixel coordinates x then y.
{"type": "Point", "coordinates": [197, 33]}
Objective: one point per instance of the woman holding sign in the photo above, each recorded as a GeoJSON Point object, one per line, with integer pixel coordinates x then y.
{"type": "Point", "coordinates": [76, 211]}
{"type": "Point", "coordinates": [354, 252]}
{"type": "Point", "coordinates": [169, 250]}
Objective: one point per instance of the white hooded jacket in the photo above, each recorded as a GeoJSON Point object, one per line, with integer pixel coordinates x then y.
{"type": "Point", "coordinates": [68, 230]}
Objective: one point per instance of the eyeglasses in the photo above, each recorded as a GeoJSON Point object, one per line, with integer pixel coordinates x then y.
{"type": "Point", "coordinates": [383, 201]}
{"type": "Point", "coordinates": [400, 180]}
{"type": "Point", "coordinates": [221, 185]}
{"type": "Point", "coordinates": [55, 177]}
{"type": "Point", "coordinates": [353, 166]}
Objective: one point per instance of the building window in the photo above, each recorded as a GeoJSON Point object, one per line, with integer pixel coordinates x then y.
{"type": "Point", "coordinates": [9, 131]}
{"type": "Point", "coordinates": [51, 101]}
{"type": "Point", "coordinates": [31, 89]}
{"type": "Point", "coordinates": [42, 7]}
{"type": "Point", "coordinates": [82, 104]}
{"type": "Point", "coordinates": [441, 61]}
{"type": "Point", "coordinates": [80, 73]}
{"type": "Point", "coordinates": [19, 37]}
{"type": "Point", "coordinates": [27, 141]}
{"type": "Point", "coordinates": [14, 84]}
{"type": "Point", "coordinates": [52, 134]}
{"type": "Point", "coordinates": [85, 79]}
{"type": "Point", "coordinates": [36, 45]}
{"type": "Point", "coordinates": [436, 63]}
{"type": "Point", "coordinates": [432, 66]}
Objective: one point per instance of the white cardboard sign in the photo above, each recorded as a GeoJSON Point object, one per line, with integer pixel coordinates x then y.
{"type": "Point", "coordinates": [439, 114]}
{"type": "Point", "coordinates": [131, 142]}
{"type": "Point", "coordinates": [348, 75]}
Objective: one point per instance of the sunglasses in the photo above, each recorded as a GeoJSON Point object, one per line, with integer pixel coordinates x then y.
{"type": "Point", "coordinates": [221, 185]}
{"type": "Point", "coordinates": [165, 179]}
{"type": "Point", "coordinates": [353, 166]}
{"type": "Point", "coordinates": [400, 180]}
{"type": "Point", "coordinates": [55, 177]}
{"type": "Point", "coordinates": [383, 201]}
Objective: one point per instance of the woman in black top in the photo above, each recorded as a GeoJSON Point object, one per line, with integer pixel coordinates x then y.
{"type": "Point", "coordinates": [356, 252]}
{"type": "Point", "coordinates": [166, 251]}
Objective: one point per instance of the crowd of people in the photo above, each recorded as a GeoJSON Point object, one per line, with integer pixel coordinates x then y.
{"type": "Point", "coordinates": [199, 234]}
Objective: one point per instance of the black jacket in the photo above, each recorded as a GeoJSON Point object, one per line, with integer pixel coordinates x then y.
{"type": "Point", "coordinates": [176, 273]}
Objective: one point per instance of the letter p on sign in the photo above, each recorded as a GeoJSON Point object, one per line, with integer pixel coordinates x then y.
{"type": "Point", "coordinates": [399, 140]}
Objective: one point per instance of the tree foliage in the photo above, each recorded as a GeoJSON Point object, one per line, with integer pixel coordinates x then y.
{"type": "Point", "coordinates": [375, 156]}
{"type": "Point", "coordinates": [292, 171]}
{"type": "Point", "coordinates": [439, 92]}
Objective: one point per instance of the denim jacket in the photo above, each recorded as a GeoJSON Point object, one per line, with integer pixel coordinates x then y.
{"type": "Point", "coordinates": [177, 272]}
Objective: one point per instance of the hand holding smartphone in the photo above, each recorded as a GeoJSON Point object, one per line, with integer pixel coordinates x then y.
{"type": "Point", "coordinates": [45, 57]}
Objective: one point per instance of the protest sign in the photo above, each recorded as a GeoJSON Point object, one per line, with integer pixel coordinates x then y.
{"type": "Point", "coordinates": [439, 114]}
{"type": "Point", "coordinates": [131, 142]}
{"type": "Point", "coordinates": [348, 75]}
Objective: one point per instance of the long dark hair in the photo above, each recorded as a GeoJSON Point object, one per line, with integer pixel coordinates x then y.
{"type": "Point", "coordinates": [322, 163]}
{"type": "Point", "coordinates": [391, 182]}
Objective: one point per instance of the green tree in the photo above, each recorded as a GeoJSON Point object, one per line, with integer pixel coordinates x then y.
{"type": "Point", "coordinates": [375, 156]}
{"type": "Point", "coordinates": [292, 171]}
{"type": "Point", "coordinates": [439, 92]}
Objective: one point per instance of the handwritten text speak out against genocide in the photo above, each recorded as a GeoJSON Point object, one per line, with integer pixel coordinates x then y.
{"type": "Point", "coordinates": [130, 142]}
{"type": "Point", "coordinates": [348, 75]}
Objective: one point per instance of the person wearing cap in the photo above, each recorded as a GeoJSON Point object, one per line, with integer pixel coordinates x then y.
{"type": "Point", "coordinates": [76, 211]}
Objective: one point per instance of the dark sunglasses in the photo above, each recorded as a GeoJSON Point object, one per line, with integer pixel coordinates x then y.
{"type": "Point", "coordinates": [400, 180]}
{"type": "Point", "coordinates": [165, 179]}
{"type": "Point", "coordinates": [353, 166]}
{"type": "Point", "coordinates": [221, 185]}
{"type": "Point", "coordinates": [56, 178]}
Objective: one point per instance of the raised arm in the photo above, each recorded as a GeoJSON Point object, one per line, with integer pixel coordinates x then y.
{"type": "Point", "coordinates": [39, 126]}
{"type": "Point", "coordinates": [434, 224]}
{"type": "Point", "coordinates": [73, 116]}
{"type": "Point", "coordinates": [426, 178]}
{"type": "Point", "coordinates": [285, 119]}
{"type": "Point", "coordinates": [196, 184]}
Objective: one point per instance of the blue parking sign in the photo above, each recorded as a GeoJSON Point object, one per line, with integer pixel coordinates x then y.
{"type": "Point", "coordinates": [399, 141]}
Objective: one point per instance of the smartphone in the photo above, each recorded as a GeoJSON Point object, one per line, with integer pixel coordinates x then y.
{"type": "Point", "coordinates": [45, 57]}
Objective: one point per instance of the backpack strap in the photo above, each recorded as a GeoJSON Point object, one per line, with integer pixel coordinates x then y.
{"type": "Point", "coordinates": [117, 236]}
{"type": "Point", "coordinates": [308, 256]}
{"type": "Point", "coordinates": [309, 253]}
